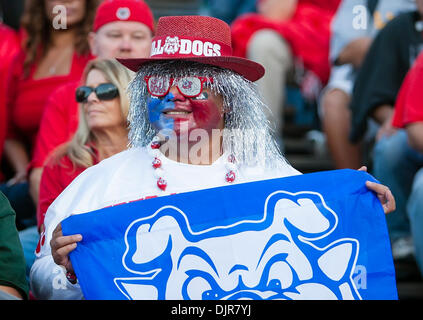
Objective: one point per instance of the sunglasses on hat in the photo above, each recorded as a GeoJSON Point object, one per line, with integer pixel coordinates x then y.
{"type": "Point", "coordinates": [190, 86]}
{"type": "Point", "coordinates": [105, 91]}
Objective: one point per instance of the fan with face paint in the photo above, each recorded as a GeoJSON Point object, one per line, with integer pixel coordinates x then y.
{"type": "Point", "coordinates": [227, 103]}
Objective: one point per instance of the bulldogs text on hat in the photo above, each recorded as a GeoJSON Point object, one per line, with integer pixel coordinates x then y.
{"type": "Point", "coordinates": [201, 39]}
{"type": "Point", "coordinates": [193, 47]}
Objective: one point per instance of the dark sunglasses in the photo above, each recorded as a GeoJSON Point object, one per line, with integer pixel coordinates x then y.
{"type": "Point", "coordinates": [105, 91]}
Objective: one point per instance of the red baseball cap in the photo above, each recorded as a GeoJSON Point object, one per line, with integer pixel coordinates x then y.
{"type": "Point", "coordinates": [123, 10]}
{"type": "Point", "coordinates": [200, 39]}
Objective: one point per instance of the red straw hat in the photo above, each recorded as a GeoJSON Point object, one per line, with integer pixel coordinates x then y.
{"type": "Point", "coordinates": [123, 10]}
{"type": "Point", "coordinates": [200, 39]}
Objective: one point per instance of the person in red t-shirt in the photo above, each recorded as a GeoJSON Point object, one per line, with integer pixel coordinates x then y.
{"type": "Point", "coordinates": [114, 35]}
{"type": "Point", "coordinates": [102, 130]}
{"type": "Point", "coordinates": [55, 50]}
{"type": "Point", "coordinates": [408, 111]}
{"type": "Point", "coordinates": [399, 160]}
{"type": "Point", "coordinates": [9, 47]}
{"type": "Point", "coordinates": [284, 36]}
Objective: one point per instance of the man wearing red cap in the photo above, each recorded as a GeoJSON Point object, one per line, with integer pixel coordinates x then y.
{"type": "Point", "coordinates": [121, 29]}
{"type": "Point", "coordinates": [196, 122]}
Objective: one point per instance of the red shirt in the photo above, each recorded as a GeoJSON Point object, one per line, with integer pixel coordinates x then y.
{"type": "Point", "coordinates": [9, 47]}
{"type": "Point", "coordinates": [57, 175]}
{"type": "Point", "coordinates": [58, 123]}
{"type": "Point", "coordinates": [409, 103]}
{"type": "Point", "coordinates": [307, 32]}
{"type": "Point", "coordinates": [27, 97]}
{"type": "Point", "coordinates": [331, 5]}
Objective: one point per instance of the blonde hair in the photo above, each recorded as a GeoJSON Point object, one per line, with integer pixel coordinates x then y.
{"type": "Point", "coordinates": [77, 150]}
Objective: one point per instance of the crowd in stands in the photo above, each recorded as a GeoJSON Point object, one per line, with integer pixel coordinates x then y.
{"type": "Point", "coordinates": [63, 105]}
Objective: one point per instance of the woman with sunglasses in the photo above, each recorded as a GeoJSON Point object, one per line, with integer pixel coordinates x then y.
{"type": "Point", "coordinates": [102, 130]}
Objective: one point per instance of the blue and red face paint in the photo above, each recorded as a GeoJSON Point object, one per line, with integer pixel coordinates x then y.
{"type": "Point", "coordinates": [158, 119]}
{"type": "Point", "coordinates": [202, 112]}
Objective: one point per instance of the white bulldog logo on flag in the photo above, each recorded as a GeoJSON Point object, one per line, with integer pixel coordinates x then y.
{"type": "Point", "coordinates": [272, 257]}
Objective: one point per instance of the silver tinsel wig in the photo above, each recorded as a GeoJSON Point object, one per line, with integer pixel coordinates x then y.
{"type": "Point", "coordinates": [247, 134]}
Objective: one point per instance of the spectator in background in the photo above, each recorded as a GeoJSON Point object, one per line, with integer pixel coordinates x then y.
{"type": "Point", "coordinates": [355, 25]}
{"type": "Point", "coordinates": [121, 29]}
{"type": "Point", "coordinates": [399, 162]}
{"type": "Point", "coordinates": [101, 133]}
{"type": "Point", "coordinates": [282, 36]}
{"type": "Point", "coordinates": [50, 57]}
{"type": "Point", "coordinates": [378, 82]}
{"type": "Point", "coordinates": [229, 10]}
{"type": "Point", "coordinates": [13, 284]}
{"type": "Point", "coordinates": [116, 32]}
{"type": "Point", "coordinates": [9, 46]}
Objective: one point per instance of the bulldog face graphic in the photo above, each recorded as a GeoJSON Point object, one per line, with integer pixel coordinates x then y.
{"type": "Point", "coordinates": [171, 45]}
{"type": "Point", "coordinates": [270, 257]}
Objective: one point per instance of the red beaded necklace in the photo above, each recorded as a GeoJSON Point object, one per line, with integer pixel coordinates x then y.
{"type": "Point", "coordinates": [154, 151]}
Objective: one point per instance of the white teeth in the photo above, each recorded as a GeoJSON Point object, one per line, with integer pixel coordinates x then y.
{"type": "Point", "coordinates": [177, 112]}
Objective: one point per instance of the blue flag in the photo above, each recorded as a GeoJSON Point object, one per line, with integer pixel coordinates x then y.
{"type": "Point", "coordinates": [314, 236]}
